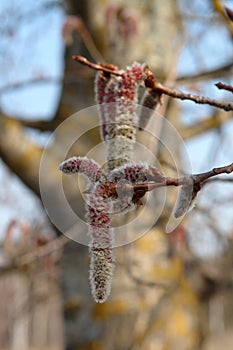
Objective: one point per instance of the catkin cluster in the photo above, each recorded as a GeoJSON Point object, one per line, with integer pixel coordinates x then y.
{"type": "Point", "coordinates": [117, 99]}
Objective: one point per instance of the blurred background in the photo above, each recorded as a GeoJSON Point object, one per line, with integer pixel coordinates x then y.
{"type": "Point", "coordinates": [170, 291]}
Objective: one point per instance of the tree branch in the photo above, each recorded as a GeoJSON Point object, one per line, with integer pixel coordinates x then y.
{"type": "Point", "coordinates": [226, 106]}
{"type": "Point", "coordinates": [25, 260]}
{"type": "Point", "coordinates": [19, 153]}
{"type": "Point", "coordinates": [31, 81]}
{"type": "Point", "coordinates": [195, 180]}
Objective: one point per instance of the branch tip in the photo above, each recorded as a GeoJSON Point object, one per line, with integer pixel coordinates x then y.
{"type": "Point", "coordinates": [107, 68]}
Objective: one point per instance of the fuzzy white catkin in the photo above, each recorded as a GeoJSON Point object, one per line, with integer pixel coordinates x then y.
{"type": "Point", "coordinates": [88, 167]}
{"type": "Point", "coordinates": [101, 272]}
{"type": "Point", "coordinates": [99, 209]}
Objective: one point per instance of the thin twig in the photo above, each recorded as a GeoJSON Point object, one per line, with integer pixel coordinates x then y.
{"type": "Point", "coordinates": [227, 106]}
{"type": "Point", "coordinates": [222, 86]}
{"type": "Point", "coordinates": [227, 169]}
{"type": "Point", "coordinates": [141, 189]}
{"type": "Point", "coordinates": [110, 69]}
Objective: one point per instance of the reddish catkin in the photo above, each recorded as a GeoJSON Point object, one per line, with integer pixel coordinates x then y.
{"type": "Point", "coordinates": [88, 167]}
{"type": "Point", "coordinates": [100, 86]}
{"type": "Point", "coordinates": [118, 98]}
{"type": "Point", "coordinates": [102, 98]}
{"type": "Point", "coordinates": [136, 173]}
{"type": "Point", "coordinates": [131, 174]}
{"type": "Point", "coordinates": [98, 209]}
